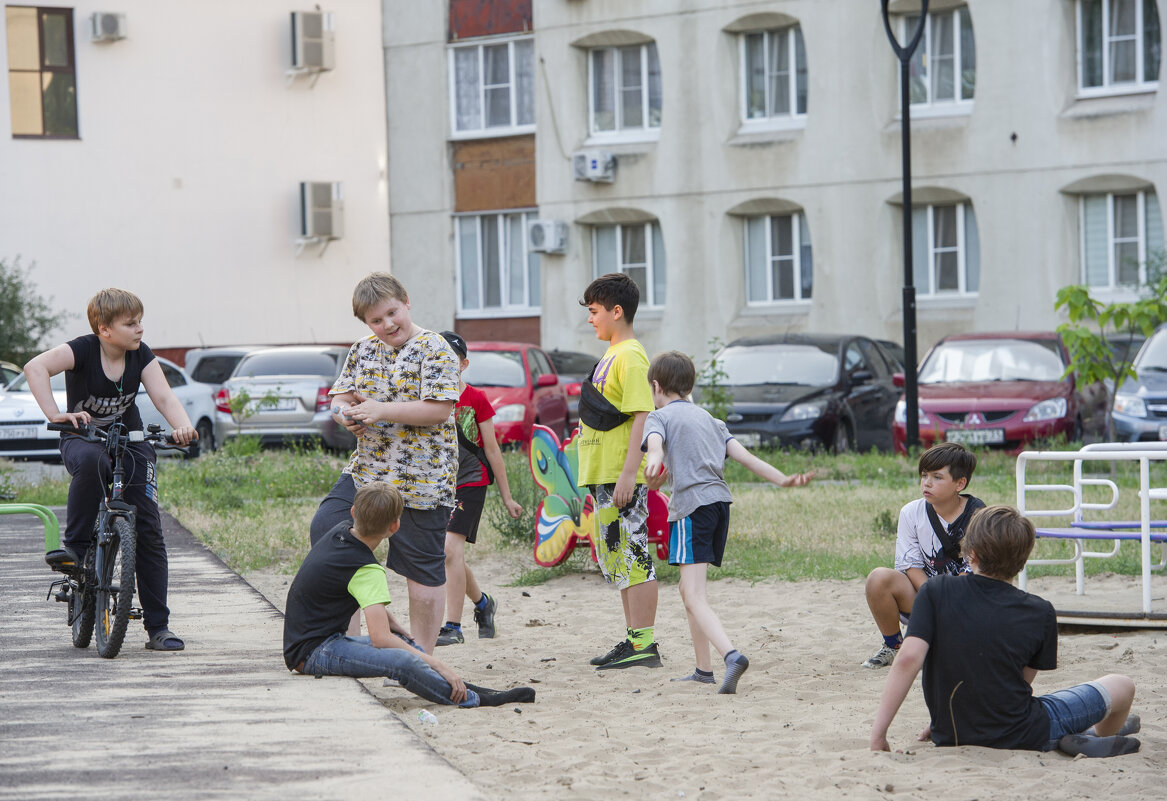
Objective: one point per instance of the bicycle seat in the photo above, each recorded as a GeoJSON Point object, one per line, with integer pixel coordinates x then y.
{"type": "Point", "coordinates": [63, 560]}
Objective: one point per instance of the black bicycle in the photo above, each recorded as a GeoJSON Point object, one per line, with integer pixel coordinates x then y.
{"type": "Point", "coordinates": [100, 592]}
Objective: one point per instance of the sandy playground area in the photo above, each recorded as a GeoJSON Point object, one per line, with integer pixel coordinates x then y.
{"type": "Point", "coordinates": [797, 728]}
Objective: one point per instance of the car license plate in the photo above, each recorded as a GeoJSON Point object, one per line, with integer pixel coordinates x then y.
{"type": "Point", "coordinates": [748, 439]}
{"type": "Point", "coordinates": [975, 436]}
{"type": "Point", "coordinates": [17, 432]}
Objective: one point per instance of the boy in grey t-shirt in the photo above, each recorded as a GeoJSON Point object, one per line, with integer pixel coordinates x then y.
{"type": "Point", "coordinates": [689, 445]}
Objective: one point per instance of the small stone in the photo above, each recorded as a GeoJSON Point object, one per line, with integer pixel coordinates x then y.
{"type": "Point", "coordinates": [889, 788]}
{"type": "Point", "coordinates": [547, 659]}
{"type": "Point", "coordinates": [489, 666]}
{"type": "Point", "coordinates": [526, 594]}
{"type": "Point", "coordinates": [634, 692]}
{"type": "Point", "coordinates": [518, 711]}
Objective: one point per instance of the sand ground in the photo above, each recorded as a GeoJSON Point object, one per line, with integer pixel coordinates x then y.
{"type": "Point", "coordinates": [798, 726]}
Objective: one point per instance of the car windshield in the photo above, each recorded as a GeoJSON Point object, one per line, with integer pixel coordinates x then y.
{"type": "Point", "coordinates": [572, 363]}
{"type": "Point", "coordinates": [495, 368]}
{"type": "Point", "coordinates": [20, 383]}
{"type": "Point", "coordinates": [1154, 354]}
{"type": "Point", "coordinates": [285, 363]}
{"type": "Point", "coordinates": [783, 363]}
{"type": "Point", "coordinates": [993, 360]}
{"type": "Point", "coordinates": [215, 369]}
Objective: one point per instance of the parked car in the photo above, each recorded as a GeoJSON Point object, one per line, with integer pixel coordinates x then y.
{"type": "Point", "coordinates": [281, 394]}
{"type": "Point", "coordinates": [523, 387]}
{"type": "Point", "coordinates": [1140, 404]}
{"type": "Point", "coordinates": [895, 353]}
{"type": "Point", "coordinates": [24, 430]}
{"type": "Point", "coordinates": [8, 371]}
{"type": "Point", "coordinates": [808, 390]}
{"type": "Point", "coordinates": [215, 365]}
{"type": "Point", "coordinates": [573, 368]}
{"type": "Point", "coordinates": [1001, 390]}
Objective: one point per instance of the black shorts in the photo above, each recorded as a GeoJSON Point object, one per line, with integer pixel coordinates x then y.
{"type": "Point", "coordinates": [418, 550]}
{"type": "Point", "coordinates": [700, 537]}
{"type": "Point", "coordinates": [467, 512]}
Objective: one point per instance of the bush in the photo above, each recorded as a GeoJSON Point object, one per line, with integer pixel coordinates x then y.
{"type": "Point", "coordinates": [526, 492]}
{"type": "Point", "coordinates": [26, 318]}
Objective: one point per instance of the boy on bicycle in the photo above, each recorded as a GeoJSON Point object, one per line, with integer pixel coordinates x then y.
{"type": "Point", "coordinates": [102, 374]}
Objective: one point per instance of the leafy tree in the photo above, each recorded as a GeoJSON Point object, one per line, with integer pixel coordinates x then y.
{"type": "Point", "coordinates": [26, 318]}
{"type": "Point", "coordinates": [1090, 320]}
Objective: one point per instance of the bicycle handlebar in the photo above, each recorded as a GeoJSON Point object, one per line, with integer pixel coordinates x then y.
{"type": "Point", "coordinates": [92, 433]}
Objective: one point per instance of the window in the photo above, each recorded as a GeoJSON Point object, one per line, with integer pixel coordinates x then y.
{"type": "Point", "coordinates": [636, 249]}
{"type": "Point", "coordinates": [42, 80]}
{"type": "Point", "coordinates": [1119, 233]}
{"type": "Point", "coordinates": [497, 274]}
{"type": "Point", "coordinates": [1118, 45]}
{"type": "Point", "coordinates": [492, 87]}
{"type": "Point", "coordinates": [624, 88]}
{"type": "Point", "coordinates": [943, 70]}
{"type": "Point", "coordinates": [946, 250]}
{"type": "Point", "coordinates": [774, 75]}
{"type": "Point", "coordinates": [778, 258]}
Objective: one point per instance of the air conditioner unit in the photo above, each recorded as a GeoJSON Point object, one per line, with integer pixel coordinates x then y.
{"type": "Point", "coordinates": [313, 44]}
{"type": "Point", "coordinates": [321, 210]}
{"type": "Point", "coordinates": [107, 27]}
{"type": "Point", "coordinates": [547, 236]}
{"type": "Point", "coordinates": [594, 165]}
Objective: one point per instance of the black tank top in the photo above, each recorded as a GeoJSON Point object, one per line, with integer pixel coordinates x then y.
{"type": "Point", "coordinates": [88, 388]}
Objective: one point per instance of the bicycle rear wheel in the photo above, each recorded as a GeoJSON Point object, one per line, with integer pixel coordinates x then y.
{"type": "Point", "coordinates": [81, 612]}
{"type": "Point", "coordinates": [114, 593]}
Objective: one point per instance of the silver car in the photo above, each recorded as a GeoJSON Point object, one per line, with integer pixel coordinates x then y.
{"type": "Point", "coordinates": [281, 394]}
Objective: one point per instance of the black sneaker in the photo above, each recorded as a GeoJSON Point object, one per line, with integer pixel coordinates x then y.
{"type": "Point", "coordinates": [648, 656]}
{"type": "Point", "coordinates": [450, 636]}
{"type": "Point", "coordinates": [622, 648]}
{"type": "Point", "coordinates": [485, 618]}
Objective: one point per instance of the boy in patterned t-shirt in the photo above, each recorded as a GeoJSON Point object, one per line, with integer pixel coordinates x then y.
{"type": "Point", "coordinates": [401, 384]}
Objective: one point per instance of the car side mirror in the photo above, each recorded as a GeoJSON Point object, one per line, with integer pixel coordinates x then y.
{"type": "Point", "coordinates": [861, 377]}
{"type": "Point", "coordinates": [546, 380]}
{"type": "Point", "coordinates": [897, 380]}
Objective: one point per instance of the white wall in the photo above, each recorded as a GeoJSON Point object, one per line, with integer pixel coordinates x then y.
{"type": "Point", "coordinates": [183, 186]}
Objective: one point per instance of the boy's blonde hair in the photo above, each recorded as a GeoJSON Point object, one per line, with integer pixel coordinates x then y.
{"type": "Point", "coordinates": [109, 305]}
{"type": "Point", "coordinates": [1002, 539]}
{"type": "Point", "coordinates": [376, 288]}
{"type": "Point", "coordinates": [376, 507]}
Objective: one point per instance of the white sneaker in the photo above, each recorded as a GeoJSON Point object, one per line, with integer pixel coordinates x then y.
{"type": "Point", "coordinates": [882, 659]}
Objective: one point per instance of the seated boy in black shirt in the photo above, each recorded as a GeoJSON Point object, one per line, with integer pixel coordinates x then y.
{"type": "Point", "coordinates": [981, 641]}
{"type": "Point", "coordinates": [341, 575]}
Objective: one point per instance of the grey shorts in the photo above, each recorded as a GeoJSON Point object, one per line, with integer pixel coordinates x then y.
{"type": "Point", "coordinates": [418, 550]}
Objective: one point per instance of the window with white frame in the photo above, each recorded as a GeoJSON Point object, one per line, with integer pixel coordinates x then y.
{"type": "Point", "coordinates": [778, 258]}
{"type": "Point", "coordinates": [492, 87]}
{"type": "Point", "coordinates": [946, 250]}
{"type": "Point", "coordinates": [624, 89]}
{"type": "Point", "coordinates": [773, 75]}
{"type": "Point", "coordinates": [1118, 46]}
{"type": "Point", "coordinates": [497, 273]}
{"type": "Point", "coordinates": [637, 250]}
{"type": "Point", "coordinates": [943, 70]}
{"type": "Point", "coordinates": [1121, 233]}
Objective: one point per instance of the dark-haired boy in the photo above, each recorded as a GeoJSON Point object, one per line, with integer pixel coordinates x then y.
{"type": "Point", "coordinates": [611, 467]}
{"type": "Point", "coordinates": [981, 641]}
{"type": "Point", "coordinates": [927, 542]}
{"type": "Point", "coordinates": [341, 575]}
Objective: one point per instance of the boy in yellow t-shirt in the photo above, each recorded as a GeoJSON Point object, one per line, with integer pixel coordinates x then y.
{"type": "Point", "coordinates": [610, 467]}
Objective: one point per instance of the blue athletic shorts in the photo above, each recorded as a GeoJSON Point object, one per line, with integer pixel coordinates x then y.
{"type": "Point", "coordinates": [1075, 709]}
{"type": "Point", "coordinates": [700, 537]}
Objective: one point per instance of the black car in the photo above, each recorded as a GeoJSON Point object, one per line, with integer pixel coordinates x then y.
{"type": "Point", "coordinates": [809, 390]}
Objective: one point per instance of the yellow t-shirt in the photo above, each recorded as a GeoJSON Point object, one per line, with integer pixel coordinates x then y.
{"type": "Point", "coordinates": [622, 377]}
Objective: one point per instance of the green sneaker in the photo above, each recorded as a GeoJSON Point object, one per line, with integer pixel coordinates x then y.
{"type": "Point", "coordinates": [448, 635]}
{"type": "Point", "coordinates": [648, 656]}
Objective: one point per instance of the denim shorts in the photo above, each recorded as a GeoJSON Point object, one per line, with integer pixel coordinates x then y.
{"type": "Point", "coordinates": [1075, 709]}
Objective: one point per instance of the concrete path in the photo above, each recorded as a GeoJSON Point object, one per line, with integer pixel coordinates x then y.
{"type": "Point", "coordinates": [223, 719]}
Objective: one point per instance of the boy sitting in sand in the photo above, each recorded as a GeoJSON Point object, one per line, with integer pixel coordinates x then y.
{"type": "Point", "coordinates": [927, 542]}
{"type": "Point", "coordinates": [981, 641]}
{"type": "Point", "coordinates": [687, 443]}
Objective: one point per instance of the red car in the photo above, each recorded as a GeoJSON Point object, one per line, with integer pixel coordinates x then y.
{"type": "Point", "coordinates": [999, 390]}
{"type": "Point", "coordinates": [523, 387]}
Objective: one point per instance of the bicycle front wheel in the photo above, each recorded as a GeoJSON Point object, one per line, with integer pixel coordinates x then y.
{"type": "Point", "coordinates": [115, 586]}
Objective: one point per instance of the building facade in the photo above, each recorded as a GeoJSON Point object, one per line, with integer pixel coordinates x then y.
{"type": "Point", "coordinates": [741, 160]}
{"type": "Point", "coordinates": [163, 151]}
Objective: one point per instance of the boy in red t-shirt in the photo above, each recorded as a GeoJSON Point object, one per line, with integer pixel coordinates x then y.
{"type": "Point", "coordinates": [479, 463]}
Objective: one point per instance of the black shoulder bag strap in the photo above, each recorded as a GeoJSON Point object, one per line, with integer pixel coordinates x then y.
{"type": "Point", "coordinates": [477, 452]}
{"type": "Point", "coordinates": [949, 548]}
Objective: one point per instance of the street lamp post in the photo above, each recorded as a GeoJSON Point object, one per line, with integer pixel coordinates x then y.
{"type": "Point", "coordinates": [904, 54]}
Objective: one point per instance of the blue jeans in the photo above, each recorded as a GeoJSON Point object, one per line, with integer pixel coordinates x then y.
{"type": "Point", "coordinates": [341, 655]}
{"type": "Point", "coordinates": [1075, 709]}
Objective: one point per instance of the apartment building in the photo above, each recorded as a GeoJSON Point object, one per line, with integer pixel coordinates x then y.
{"type": "Point", "coordinates": [741, 161]}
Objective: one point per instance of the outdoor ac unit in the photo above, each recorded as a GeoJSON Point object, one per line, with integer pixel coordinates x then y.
{"type": "Point", "coordinates": [107, 27]}
{"type": "Point", "coordinates": [321, 210]}
{"type": "Point", "coordinates": [313, 43]}
{"type": "Point", "coordinates": [547, 236]}
{"type": "Point", "coordinates": [594, 165]}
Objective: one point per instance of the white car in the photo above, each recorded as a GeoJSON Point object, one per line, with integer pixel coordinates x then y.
{"type": "Point", "coordinates": [24, 430]}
